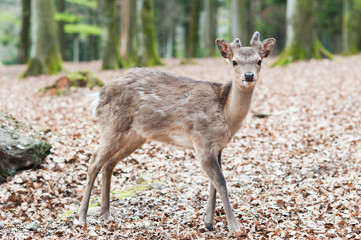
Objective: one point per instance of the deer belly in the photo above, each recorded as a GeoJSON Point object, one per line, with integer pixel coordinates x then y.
{"type": "Point", "coordinates": [180, 141]}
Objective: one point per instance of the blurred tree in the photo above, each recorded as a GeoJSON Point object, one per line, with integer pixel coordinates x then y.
{"type": "Point", "coordinates": [301, 41]}
{"type": "Point", "coordinates": [329, 24]}
{"type": "Point", "coordinates": [193, 29]}
{"type": "Point", "coordinates": [111, 54]}
{"type": "Point", "coordinates": [78, 29]}
{"type": "Point", "coordinates": [350, 33]}
{"type": "Point", "coordinates": [150, 55]}
{"type": "Point", "coordinates": [25, 31]}
{"type": "Point", "coordinates": [61, 34]}
{"type": "Point", "coordinates": [45, 55]}
{"type": "Point", "coordinates": [211, 27]}
{"type": "Point", "coordinates": [239, 27]}
{"type": "Point", "coordinates": [166, 17]}
{"type": "Point", "coordinates": [128, 35]}
{"type": "Point", "coordinates": [272, 22]}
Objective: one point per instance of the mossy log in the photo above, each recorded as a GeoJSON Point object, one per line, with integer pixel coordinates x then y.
{"type": "Point", "coordinates": [73, 79]}
{"type": "Point", "coordinates": [21, 147]}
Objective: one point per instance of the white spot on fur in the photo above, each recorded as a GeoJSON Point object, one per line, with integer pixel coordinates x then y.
{"type": "Point", "coordinates": [95, 102]}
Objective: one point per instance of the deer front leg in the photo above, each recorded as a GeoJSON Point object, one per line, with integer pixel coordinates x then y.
{"type": "Point", "coordinates": [211, 167]}
{"type": "Point", "coordinates": [211, 204]}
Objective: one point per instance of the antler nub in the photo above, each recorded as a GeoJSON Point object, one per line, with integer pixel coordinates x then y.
{"type": "Point", "coordinates": [255, 42]}
{"type": "Point", "coordinates": [236, 43]}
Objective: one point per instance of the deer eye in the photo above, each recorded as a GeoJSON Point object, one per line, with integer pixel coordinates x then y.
{"type": "Point", "coordinates": [234, 63]}
{"type": "Point", "coordinates": [259, 62]}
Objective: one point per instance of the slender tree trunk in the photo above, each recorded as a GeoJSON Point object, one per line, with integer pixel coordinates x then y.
{"type": "Point", "coordinates": [45, 54]}
{"type": "Point", "coordinates": [61, 33]}
{"type": "Point", "coordinates": [150, 56]}
{"type": "Point", "coordinates": [76, 47]}
{"type": "Point", "coordinates": [256, 19]}
{"type": "Point", "coordinates": [193, 38]}
{"type": "Point", "coordinates": [302, 42]}
{"type": "Point", "coordinates": [290, 15]}
{"type": "Point", "coordinates": [171, 32]}
{"type": "Point", "coordinates": [128, 37]}
{"type": "Point", "coordinates": [239, 20]}
{"type": "Point", "coordinates": [349, 32]}
{"type": "Point", "coordinates": [211, 26]}
{"type": "Point", "coordinates": [110, 39]}
{"type": "Point", "coordinates": [25, 32]}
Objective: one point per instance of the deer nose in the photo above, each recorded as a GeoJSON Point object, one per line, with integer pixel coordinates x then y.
{"type": "Point", "coordinates": [249, 76]}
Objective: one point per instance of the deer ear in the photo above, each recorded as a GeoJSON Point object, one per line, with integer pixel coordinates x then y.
{"type": "Point", "coordinates": [267, 47]}
{"type": "Point", "coordinates": [224, 48]}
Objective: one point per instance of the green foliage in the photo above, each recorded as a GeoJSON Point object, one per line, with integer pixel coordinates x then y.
{"type": "Point", "coordinates": [67, 17]}
{"type": "Point", "coordinates": [9, 37]}
{"type": "Point", "coordinates": [87, 3]}
{"type": "Point", "coordinates": [82, 29]}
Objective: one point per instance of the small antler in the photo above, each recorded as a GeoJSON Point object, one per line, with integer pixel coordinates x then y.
{"type": "Point", "coordinates": [255, 42]}
{"type": "Point", "coordinates": [236, 43]}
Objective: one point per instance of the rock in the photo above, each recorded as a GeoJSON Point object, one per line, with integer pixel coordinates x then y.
{"type": "Point", "coordinates": [21, 147]}
{"type": "Point", "coordinates": [146, 177]}
{"type": "Point", "coordinates": [15, 222]}
{"type": "Point", "coordinates": [94, 211]}
{"type": "Point", "coordinates": [41, 128]}
{"type": "Point", "coordinates": [92, 233]}
{"type": "Point", "coordinates": [33, 226]}
{"type": "Point", "coordinates": [156, 186]}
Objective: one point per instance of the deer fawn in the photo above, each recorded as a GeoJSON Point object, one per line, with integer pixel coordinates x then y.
{"type": "Point", "coordinates": [149, 104]}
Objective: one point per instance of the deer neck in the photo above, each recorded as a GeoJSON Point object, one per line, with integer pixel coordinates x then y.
{"type": "Point", "coordinates": [237, 106]}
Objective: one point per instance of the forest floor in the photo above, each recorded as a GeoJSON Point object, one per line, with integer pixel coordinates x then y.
{"type": "Point", "coordinates": [295, 174]}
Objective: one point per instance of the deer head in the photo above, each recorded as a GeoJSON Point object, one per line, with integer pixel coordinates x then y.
{"type": "Point", "coordinates": [246, 61]}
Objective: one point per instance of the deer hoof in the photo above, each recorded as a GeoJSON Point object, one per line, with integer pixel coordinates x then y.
{"type": "Point", "coordinates": [209, 226]}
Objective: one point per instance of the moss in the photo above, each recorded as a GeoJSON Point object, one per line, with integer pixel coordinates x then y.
{"type": "Point", "coordinates": [186, 61]}
{"type": "Point", "coordinates": [297, 52]}
{"type": "Point", "coordinates": [53, 61]}
{"type": "Point", "coordinates": [130, 191]}
{"type": "Point", "coordinates": [34, 68]}
{"type": "Point", "coordinates": [94, 202]}
{"type": "Point", "coordinates": [150, 56]}
{"type": "Point", "coordinates": [84, 79]}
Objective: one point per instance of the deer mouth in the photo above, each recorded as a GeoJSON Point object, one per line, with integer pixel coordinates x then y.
{"type": "Point", "coordinates": [248, 80]}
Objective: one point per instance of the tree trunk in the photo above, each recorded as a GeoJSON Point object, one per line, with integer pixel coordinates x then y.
{"type": "Point", "coordinates": [150, 56]}
{"type": "Point", "coordinates": [211, 26]}
{"type": "Point", "coordinates": [25, 31]}
{"type": "Point", "coordinates": [349, 32]}
{"type": "Point", "coordinates": [76, 46]}
{"type": "Point", "coordinates": [302, 42]}
{"type": "Point", "coordinates": [61, 33]}
{"type": "Point", "coordinates": [239, 20]}
{"type": "Point", "coordinates": [45, 55]}
{"type": "Point", "coordinates": [193, 38]}
{"type": "Point", "coordinates": [111, 54]}
{"type": "Point", "coordinates": [128, 37]}
{"type": "Point", "coordinates": [255, 11]}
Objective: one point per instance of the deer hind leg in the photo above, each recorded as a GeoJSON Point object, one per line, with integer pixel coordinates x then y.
{"type": "Point", "coordinates": [211, 204]}
{"type": "Point", "coordinates": [105, 152]}
{"type": "Point", "coordinates": [128, 145]}
{"type": "Point", "coordinates": [211, 167]}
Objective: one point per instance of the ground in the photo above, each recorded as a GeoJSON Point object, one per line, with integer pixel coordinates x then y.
{"type": "Point", "coordinates": [294, 174]}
